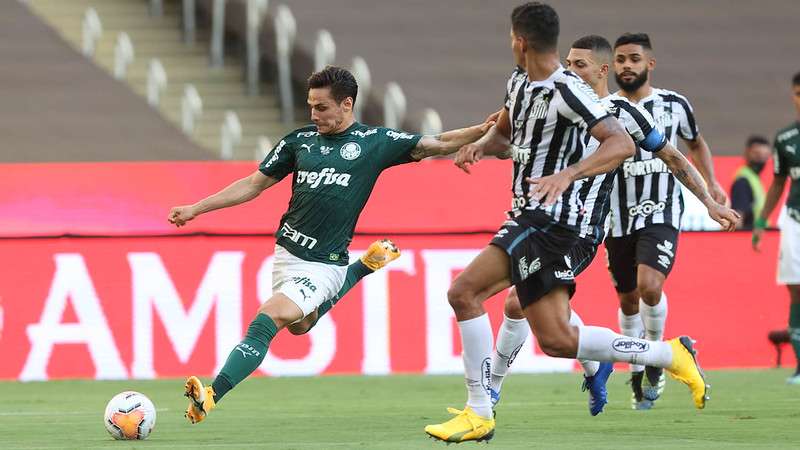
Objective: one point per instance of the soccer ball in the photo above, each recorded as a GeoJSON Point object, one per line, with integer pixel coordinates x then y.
{"type": "Point", "coordinates": [130, 415]}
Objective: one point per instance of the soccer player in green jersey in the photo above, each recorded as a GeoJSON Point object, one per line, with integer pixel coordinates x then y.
{"type": "Point", "coordinates": [334, 165]}
{"type": "Point", "coordinates": [786, 162]}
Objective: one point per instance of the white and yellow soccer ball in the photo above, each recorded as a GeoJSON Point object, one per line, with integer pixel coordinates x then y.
{"type": "Point", "coordinates": [130, 415]}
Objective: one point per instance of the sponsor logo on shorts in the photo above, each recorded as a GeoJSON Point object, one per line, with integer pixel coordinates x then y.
{"type": "Point", "coordinates": [794, 172]}
{"type": "Point", "coordinates": [486, 374]}
{"type": "Point", "coordinates": [350, 151]}
{"type": "Point", "coordinates": [526, 270]}
{"type": "Point", "coordinates": [628, 345]}
{"type": "Point", "coordinates": [647, 208]}
{"type": "Point", "coordinates": [501, 233]}
{"type": "Point", "coordinates": [564, 274]}
{"type": "Point", "coordinates": [667, 247]}
{"type": "Point", "coordinates": [305, 282]}
{"type": "Point", "coordinates": [667, 250]}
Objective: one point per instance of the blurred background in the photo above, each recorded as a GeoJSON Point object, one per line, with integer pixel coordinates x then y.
{"type": "Point", "coordinates": [112, 111]}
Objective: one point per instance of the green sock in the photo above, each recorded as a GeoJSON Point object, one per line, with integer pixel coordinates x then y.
{"type": "Point", "coordinates": [247, 356]}
{"type": "Point", "coordinates": [355, 272]}
{"type": "Point", "coordinates": [794, 330]}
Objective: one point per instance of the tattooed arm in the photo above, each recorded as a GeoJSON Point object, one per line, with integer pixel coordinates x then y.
{"type": "Point", "coordinates": [691, 178]}
{"type": "Point", "coordinates": [449, 141]}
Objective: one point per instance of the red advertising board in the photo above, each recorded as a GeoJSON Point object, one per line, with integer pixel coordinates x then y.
{"type": "Point", "coordinates": [161, 307]}
{"type": "Point", "coordinates": [142, 299]}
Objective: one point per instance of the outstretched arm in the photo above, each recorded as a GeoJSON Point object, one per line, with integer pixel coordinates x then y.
{"type": "Point", "coordinates": [615, 147]}
{"type": "Point", "coordinates": [449, 141]}
{"type": "Point", "coordinates": [691, 178]}
{"type": "Point", "coordinates": [237, 192]}
{"type": "Point", "coordinates": [701, 157]}
{"type": "Point", "coordinates": [494, 143]}
{"type": "Point", "coordinates": [773, 197]}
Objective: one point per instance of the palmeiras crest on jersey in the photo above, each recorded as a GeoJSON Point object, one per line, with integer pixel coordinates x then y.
{"type": "Point", "coordinates": [350, 151]}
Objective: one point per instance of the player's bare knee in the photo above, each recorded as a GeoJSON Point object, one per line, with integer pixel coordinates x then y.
{"type": "Point", "coordinates": [461, 296]}
{"type": "Point", "coordinates": [512, 309]}
{"type": "Point", "coordinates": [650, 292]}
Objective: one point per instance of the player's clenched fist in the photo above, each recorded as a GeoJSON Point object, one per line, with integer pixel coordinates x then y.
{"type": "Point", "coordinates": [179, 215]}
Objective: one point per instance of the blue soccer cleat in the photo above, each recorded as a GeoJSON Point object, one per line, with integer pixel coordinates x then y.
{"type": "Point", "coordinates": [596, 385]}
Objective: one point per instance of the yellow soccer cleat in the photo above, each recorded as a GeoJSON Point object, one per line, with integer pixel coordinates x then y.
{"type": "Point", "coordinates": [379, 254]}
{"type": "Point", "coordinates": [201, 400]}
{"type": "Point", "coordinates": [686, 369]}
{"type": "Point", "coordinates": [465, 426]}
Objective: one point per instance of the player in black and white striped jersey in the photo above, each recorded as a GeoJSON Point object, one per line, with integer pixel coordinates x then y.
{"type": "Point", "coordinates": [539, 132]}
{"type": "Point", "coordinates": [646, 207]}
{"type": "Point", "coordinates": [589, 58]}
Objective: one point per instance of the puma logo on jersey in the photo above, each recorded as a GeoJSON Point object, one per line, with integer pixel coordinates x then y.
{"type": "Point", "coordinates": [328, 175]}
{"type": "Point", "coordinates": [307, 146]}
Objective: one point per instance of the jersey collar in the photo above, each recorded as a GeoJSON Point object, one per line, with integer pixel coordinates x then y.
{"type": "Point", "coordinates": [549, 82]}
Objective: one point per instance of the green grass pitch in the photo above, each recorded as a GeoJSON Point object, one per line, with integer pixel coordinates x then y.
{"type": "Point", "coordinates": [748, 409]}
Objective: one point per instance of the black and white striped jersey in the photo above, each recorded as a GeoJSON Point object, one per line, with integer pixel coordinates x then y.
{"type": "Point", "coordinates": [645, 191]}
{"type": "Point", "coordinates": [545, 119]}
{"type": "Point", "coordinates": [641, 127]}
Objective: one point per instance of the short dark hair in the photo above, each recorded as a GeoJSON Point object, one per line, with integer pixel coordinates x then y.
{"type": "Point", "coordinates": [634, 38]}
{"type": "Point", "coordinates": [796, 79]}
{"type": "Point", "coordinates": [537, 23]}
{"type": "Point", "coordinates": [593, 42]}
{"type": "Point", "coordinates": [341, 81]}
{"type": "Point", "coordinates": [756, 139]}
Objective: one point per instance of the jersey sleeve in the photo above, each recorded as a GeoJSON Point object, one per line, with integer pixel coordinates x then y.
{"type": "Point", "coordinates": [778, 159]}
{"type": "Point", "coordinates": [580, 103]}
{"type": "Point", "coordinates": [396, 146]}
{"type": "Point", "coordinates": [687, 126]}
{"type": "Point", "coordinates": [279, 162]}
{"type": "Point", "coordinates": [512, 83]}
{"type": "Point", "coordinates": [641, 126]}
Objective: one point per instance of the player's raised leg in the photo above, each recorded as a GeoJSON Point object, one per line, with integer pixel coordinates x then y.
{"type": "Point", "coordinates": [378, 255]}
{"type": "Point", "coordinates": [548, 318]}
{"type": "Point", "coordinates": [486, 275]}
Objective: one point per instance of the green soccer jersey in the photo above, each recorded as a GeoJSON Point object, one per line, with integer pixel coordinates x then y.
{"type": "Point", "coordinates": [786, 161]}
{"type": "Point", "coordinates": [332, 178]}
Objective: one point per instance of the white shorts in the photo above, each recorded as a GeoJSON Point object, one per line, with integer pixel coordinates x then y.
{"type": "Point", "coordinates": [307, 283]}
{"type": "Point", "coordinates": [789, 251]}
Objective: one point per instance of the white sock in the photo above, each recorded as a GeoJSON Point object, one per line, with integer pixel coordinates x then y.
{"type": "Point", "coordinates": [589, 367]}
{"type": "Point", "coordinates": [654, 318]}
{"type": "Point", "coordinates": [602, 344]}
{"type": "Point", "coordinates": [476, 342]}
{"type": "Point", "coordinates": [510, 337]}
{"type": "Point", "coordinates": [631, 326]}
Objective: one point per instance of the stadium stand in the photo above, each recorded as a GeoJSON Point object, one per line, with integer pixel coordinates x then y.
{"type": "Point", "coordinates": [454, 56]}
{"type": "Point", "coordinates": [57, 106]}
{"type": "Point", "coordinates": [158, 38]}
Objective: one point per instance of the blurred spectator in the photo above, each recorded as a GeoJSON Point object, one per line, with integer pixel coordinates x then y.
{"type": "Point", "coordinates": [747, 192]}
